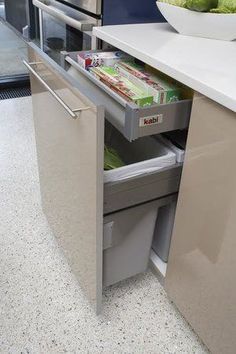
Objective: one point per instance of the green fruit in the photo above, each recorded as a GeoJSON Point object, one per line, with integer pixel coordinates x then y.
{"type": "Point", "coordinates": [225, 7]}
{"type": "Point", "coordinates": [201, 5]}
{"type": "Point", "coordinates": [221, 10]}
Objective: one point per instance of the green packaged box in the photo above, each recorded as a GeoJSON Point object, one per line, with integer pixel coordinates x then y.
{"type": "Point", "coordinates": [161, 89]}
{"type": "Point", "coordinates": [123, 86]}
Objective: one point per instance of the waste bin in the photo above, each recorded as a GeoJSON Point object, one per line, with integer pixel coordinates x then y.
{"type": "Point", "coordinates": [127, 240]}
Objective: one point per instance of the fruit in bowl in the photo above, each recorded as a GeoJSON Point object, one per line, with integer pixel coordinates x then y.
{"type": "Point", "coordinates": [214, 6]}
{"type": "Point", "coordinates": [201, 5]}
{"type": "Point", "coordinates": [215, 19]}
{"type": "Point", "coordinates": [225, 7]}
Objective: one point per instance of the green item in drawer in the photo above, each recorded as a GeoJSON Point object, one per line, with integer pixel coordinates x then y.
{"type": "Point", "coordinates": [111, 159]}
{"type": "Point", "coordinates": [162, 90]}
{"type": "Point", "coordinates": [122, 85]}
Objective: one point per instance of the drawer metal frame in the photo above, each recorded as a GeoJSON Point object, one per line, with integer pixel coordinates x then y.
{"type": "Point", "coordinates": [130, 119]}
{"type": "Point", "coordinates": [141, 189]}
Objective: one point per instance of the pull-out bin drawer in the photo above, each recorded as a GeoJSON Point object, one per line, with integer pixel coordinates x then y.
{"type": "Point", "coordinates": [150, 171]}
{"type": "Point", "coordinates": [131, 120]}
{"type": "Point", "coordinates": [105, 230]}
{"type": "Point", "coordinates": [127, 240]}
{"type": "Point", "coordinates": [131, 202]}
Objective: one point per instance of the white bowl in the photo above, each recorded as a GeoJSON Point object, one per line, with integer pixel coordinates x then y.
{"type": "Point", "coordinates": [199, 24]}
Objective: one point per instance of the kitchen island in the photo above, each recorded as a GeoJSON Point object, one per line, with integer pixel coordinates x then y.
{"type": "Point", "coordinates": [202, 263]}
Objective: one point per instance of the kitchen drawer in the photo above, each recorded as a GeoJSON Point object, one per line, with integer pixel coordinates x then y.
{"type": "Point", "coordinates": [69, 130]}
{"type": "Point", "coordinates": [140, 189]}
{"type": "Point", "coordinates": [131, 120]}
{"type": "Point", "coordinates": [150, 172]}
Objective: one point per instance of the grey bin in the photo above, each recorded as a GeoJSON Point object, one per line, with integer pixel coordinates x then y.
{"type": "Point", "coordinates": [127, 240]}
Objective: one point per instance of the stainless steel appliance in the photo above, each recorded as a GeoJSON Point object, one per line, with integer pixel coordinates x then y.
{"type": "Point", "coordinates": [62, 27]}
{"type": "Point", "coordinates": [67, 24]}
{"type": "Point", "coordinates": [93, 6]}
{"type": "Point", "coordinates": [114, 12]}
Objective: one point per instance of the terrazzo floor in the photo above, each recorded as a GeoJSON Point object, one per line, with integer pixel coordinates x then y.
{"type": "Point", "coordinates": [42, 308]}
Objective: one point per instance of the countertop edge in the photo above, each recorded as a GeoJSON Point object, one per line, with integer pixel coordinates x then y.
{"type": "Point", "coordinates": [179, 76]}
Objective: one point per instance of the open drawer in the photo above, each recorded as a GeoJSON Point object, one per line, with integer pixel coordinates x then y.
{"type": "Point", "coordinates": [69, 129]}
{"type": "Point", "coordinates": [151, 171]}
{"type": "Point", "coordinates": [131, 120]}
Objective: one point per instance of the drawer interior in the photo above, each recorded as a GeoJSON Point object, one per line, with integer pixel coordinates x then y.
{"type": "Point", "coordinates": [130, 119]}
{"type": "Point", "coordinates": [151, 171]}
{"type": "Point", "coordinates": [178, 138]}
{"type": "Point", "coordinates": [143, 156]}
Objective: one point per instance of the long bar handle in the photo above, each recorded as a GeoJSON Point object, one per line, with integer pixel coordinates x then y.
{"type": "Point", "coordinates": [53, 93]}
{"type": "Point", "coordinates": [82, 25]}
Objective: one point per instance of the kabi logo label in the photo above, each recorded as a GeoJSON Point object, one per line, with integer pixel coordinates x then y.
{"type": "Point", "coordinates": [151, 120]}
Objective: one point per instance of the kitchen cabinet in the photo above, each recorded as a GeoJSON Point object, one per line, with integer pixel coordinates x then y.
{"type": "Point", "coordinates": [201, 266]}
{"type": "Point", "coordinates": [200, 273]}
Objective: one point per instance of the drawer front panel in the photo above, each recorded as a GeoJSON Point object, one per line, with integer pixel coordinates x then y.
{"type": "Point", "coordinates": [70, 154]}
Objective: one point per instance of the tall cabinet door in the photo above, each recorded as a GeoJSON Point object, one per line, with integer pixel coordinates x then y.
{"type": "Point", "coordinates": [69, 141]}
{"type": "Point", "coordinates": [202, 264]}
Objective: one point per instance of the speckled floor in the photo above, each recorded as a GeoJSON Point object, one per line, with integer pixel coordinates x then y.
{"type": "Point", "coordinates": [42, 308]}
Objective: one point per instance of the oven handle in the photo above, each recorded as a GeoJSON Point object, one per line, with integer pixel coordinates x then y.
{"type": "Point", "coordinates": [72, 112]}
{"type": "Point", "coordinates": [83, 25]}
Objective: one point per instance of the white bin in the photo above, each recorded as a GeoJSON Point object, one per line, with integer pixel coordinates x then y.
{"type": "Point", "coordinates": [143, 156]}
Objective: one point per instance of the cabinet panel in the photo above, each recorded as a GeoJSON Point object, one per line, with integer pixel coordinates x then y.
{"type": "Point", "coordinates": [202, 263]}
{"type": "Point", "coordinates": [70, 159]}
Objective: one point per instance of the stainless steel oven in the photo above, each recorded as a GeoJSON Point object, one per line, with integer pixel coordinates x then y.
{"type": "Point", "coordinates": [62, 27]}
{"type": "Point", "coordinates": [93, 6]}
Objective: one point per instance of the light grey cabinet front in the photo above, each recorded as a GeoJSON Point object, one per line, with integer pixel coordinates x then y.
{"type": "Point", "coordinates": [69, 138]}
{"type": "Point", "coordinates": [201, 269]}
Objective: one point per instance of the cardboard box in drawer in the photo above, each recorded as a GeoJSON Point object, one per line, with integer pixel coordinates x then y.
{"type": "Point", "coordinates": [90, 59]}
{"type": "Point", "coordinates": [161, 90]}
{"type": "Point", "coordinates": [122, 85]}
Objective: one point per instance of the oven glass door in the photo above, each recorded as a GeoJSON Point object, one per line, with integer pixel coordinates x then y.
{"type": "Point", "coordinates": [62, 28]}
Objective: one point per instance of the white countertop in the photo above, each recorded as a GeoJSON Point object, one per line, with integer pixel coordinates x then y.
{"type": "Point", "coordinates": [207, 66]}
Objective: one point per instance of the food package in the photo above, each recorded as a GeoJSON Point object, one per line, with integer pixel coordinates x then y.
{"type": "Point", "coordinates": [111, 159]}
{"type": "Point", "coordinates": [88, 59]}
{"type": "Point", "coordinates": [121, 85]}
{"type": "Point", "coordinates": [154, 84]}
